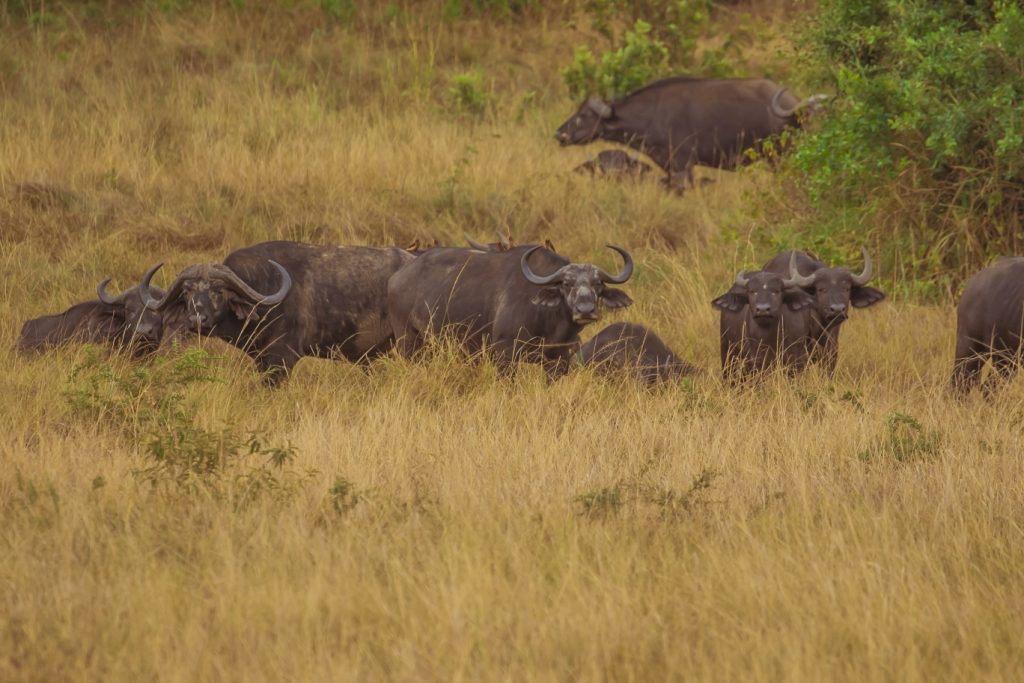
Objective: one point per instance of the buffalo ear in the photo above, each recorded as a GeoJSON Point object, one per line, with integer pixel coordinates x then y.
{"type": "Point", "coordinates": [243, 310]}
{"type": "Point", "coordinates": [732, 301]}
{"type": "Point", "coordinates": [615, 298]}
{"type": "Point", "coordinates": [797, 298]}
{"type": "Point", "coordinates": [862, 297]}
{"type": "Point", "coordinates": [547, 296]}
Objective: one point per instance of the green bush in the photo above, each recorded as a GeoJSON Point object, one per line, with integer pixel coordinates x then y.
{"type": "Point", "coordinates": [921, 152]}
{"type": "Point", "coordinates": [467, 94]}
{"type": "Point", "coordinates": [661, 41]}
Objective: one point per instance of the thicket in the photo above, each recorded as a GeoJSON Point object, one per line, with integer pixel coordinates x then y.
{"type": "Point", "coordinates": [920, 153]}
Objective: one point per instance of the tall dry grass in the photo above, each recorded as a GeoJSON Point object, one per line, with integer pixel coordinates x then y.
{"type": "Point", "coordinates": [448, 523]}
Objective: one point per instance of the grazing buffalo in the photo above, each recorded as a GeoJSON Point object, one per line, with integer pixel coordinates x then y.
{"type": "Point", "coordinates": [614, 162]}
{"type": "Point", "coordinates": [683, 122]}
{"type": "Point", "coordinates": [123, 321]}
{"type": "Point", "coordinates": [322, 301]}
{"type": "Point", "coordinates": [526, 304]}
{"type": "Point", "coordinates": [989, 324]}
{"type": "Point", "coordinates": [764, 322]}
{"type": "Point", "coordinates": [628, 348]}
{"type": "Point", "coordinates": [834, 291]}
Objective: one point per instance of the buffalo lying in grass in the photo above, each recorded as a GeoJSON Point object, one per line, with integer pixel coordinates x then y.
{"type": "Point", "coordinates": [624, 348]}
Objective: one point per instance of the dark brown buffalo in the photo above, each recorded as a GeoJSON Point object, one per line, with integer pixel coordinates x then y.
{"type": "Point", "coordinates": [122, 321]}
{"type": "Point", "coordinates": [764, 322]}
{"type": "Point", "coordinates": [989, 324]}
{"type": "Point", "coordinates": [834, 290]}
{"type": "Point", "coordinates": [525, 304]}
{"type": "Point", "coordinates": [628, 348]}
{"type": "Point", "coordinates": [323, 301]}
{"type": "Point", "coordinates": [615, 163]}
{"type": "Point", "coordinates": [683, 122]}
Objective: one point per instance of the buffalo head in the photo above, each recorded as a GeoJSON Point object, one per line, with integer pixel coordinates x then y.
{"type": "Point", "coordinates": [142, 326]}
{"type": "Point", "coordinates": [209, 292]}
{"type": "Point", "coordinates": [765, 293]}
{"type": "Point", "coordinates": [580, 286]}
{"type": "Point", "coordinates": [835, 289]}
{"type": "Point", "coordinates": [586, 124]}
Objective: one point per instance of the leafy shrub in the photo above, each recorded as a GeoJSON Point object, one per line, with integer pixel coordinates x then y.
{"type": "Point", "coordinates": [467, 94]}
{"type": "Point", "coordinates": [922, 150]}
{"type": "Point", "coordinates": [905, 440]}
{"type": "Point", "coordinates": [661, 40]}
{"type": "Point", "coordinates": [149, 404]}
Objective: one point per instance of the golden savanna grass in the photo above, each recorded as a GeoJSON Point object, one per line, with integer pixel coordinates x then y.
{"type": "Point", "coordinates": [439, 521]}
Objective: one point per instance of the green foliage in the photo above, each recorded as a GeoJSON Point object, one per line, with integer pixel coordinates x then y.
{"type": "Point", "coordinates": [467, 94]}
{"type": "Point", "coordinates": [150, 404]}
{"type": "Point", "coordinates": [927, 130]}
{"type": "Point", "coordinates": [342, 10]}
{"type": "Point", "coordinates": [904, 441]}
{"type": "Point", "coordinates": [502, 9]}
{"type": "Point", "coordinates": [661, 40]}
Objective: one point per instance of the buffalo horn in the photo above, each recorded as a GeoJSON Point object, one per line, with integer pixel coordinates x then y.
{"type": "Point", "coordinates": [627, 268]}
{"type": "Point", "coordinates": [533, 277]}
{"type": "Point", "coordinates": [777, 109]}
{"type": "Point", "coordinates": [479, 246]}
{"type": "Point", "coordinates": [600, 107]}
{"type": "Point", "coordinates": [172, 292]}
{"type": "Point", "coordinates": [243, 287]}
{"type": "Point", "coordinates": [101, 292]}
{"type": "Point", "coordinates": [742, 279]}
{"type": "Point", "coordinates": [504, 241]}
{"type": "Point", "coordinates": [795, 279]}
{"type": "Point", "coordinates": [862, 279]}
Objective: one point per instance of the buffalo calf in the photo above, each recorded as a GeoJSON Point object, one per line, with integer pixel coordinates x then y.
{"type": "Point", "coordinates": [628, 348]}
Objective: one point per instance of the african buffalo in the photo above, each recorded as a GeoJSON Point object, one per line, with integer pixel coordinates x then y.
{"type": "Point", "coordinates": [764, 321]}
{"type": "Point", "coordinates": [989, 324]}
{"type": "Point", "coordinates": [681, 122]}
{"type": "Point", "coordinates": [628, 348]}
{"type": "Point", "coordinates": [123, 321]}
{"type": "Point", "coordinates": [324, 302]}
{"type": "Point", "coordinates": [615, 163]}
{"type": "Point", "coordinates": [525, 304]}
{"type": "Point", "coordinates": [834, 291]}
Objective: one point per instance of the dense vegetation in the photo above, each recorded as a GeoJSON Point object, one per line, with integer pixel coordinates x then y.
{"type": "Point", "coordinates": [172, 519]}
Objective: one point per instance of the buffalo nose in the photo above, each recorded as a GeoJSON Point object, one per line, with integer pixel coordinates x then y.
{"type": "Point", "coordinates": [586, 308]}
{"type": "Point", "coordinates": [837, 309]}
{"type": "Point", "coordinates": [762, 308]}
{"type": "Point", "coordinates": [197, 318]}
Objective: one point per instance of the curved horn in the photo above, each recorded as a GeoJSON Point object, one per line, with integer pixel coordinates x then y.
{"type": "Point", "coordinates": [242, 287]}
{"type": "Point", "coordinates": [795, 279]}
{"type": "Point", "coordinates": [741, 279]}
{"type": "Point", "coordinates": [862, 279]}
{"type": "Point", "coordinates": [600, 107]}
{"type": "Point", "coordinates": [147, 298]}
{"type": "Point", "coordinates": [504, 241]}
{"type": "Point", "coordinates": [778, 110]}
{"type": "Point", "coordinates": [627, 268]}
{"type": "Point", "coordinates": [479, 246]}
{"type": "Point", "coordinates": [533, 277]}
{"type": "Point", "coordinates": [101, 292]}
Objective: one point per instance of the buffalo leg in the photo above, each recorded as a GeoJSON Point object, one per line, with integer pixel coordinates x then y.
{"type": "Point", "coordinates": [1004, 367]}
{"type": "Point", "coordinates": [966, 366]}
{"type": "Point", "coordinates": [275, 368]}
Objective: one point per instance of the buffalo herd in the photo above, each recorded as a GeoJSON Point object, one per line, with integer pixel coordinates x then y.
{"type": "Point", "coordinates": [279, 301]}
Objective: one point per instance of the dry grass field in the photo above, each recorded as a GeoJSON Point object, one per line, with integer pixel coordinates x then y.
{"type": "Point", "coordinates": [435, 520]}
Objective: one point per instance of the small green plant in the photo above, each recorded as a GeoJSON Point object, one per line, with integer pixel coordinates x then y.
{"type": "Point", "coordinates": [342, 10]}
{"type": "Point", "coordinates": [467, 94]}
{"type": "Point", "coordinates": [149, 404]}
{"type": "Point", "coordinates": [640, 60]}
{"type": "Point", "coordinates": [904, 441]}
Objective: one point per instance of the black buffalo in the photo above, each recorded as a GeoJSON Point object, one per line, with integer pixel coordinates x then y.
{"type": "Point", "coordinates": [834, 290]}
{"type": "Point", "coordinates": [614, 163]}
{"type": "Point", "coordinates": [628, 348]}
{"type": "Point", "coordinates": [122, 321]}
{"type": "Point", "coordinates": [683, 122]}
{"type": "Point", "coordinates": [525, 304]}
{"type": "Point", "coordinates": [323, 301]}
{"type": "Point", "coordinates": [989, 324]}
{"type": "Point", "coordinates": [764, 322]}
